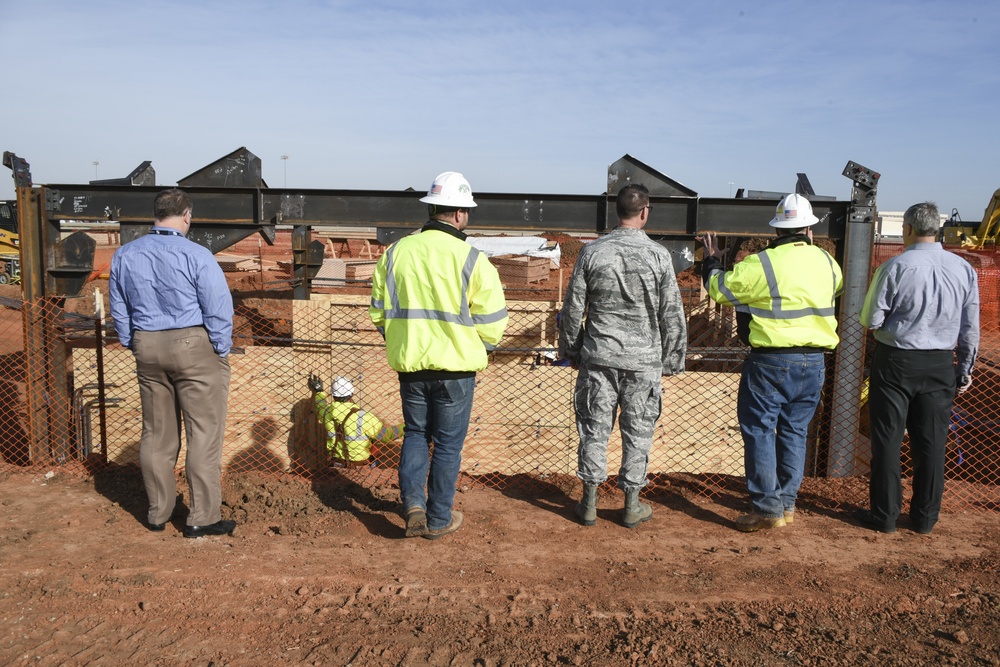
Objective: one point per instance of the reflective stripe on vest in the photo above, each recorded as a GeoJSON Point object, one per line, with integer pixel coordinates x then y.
{"type": "Point", "coordinates": [776, 312]}
{"type": "Point", "coordinates": [463, 318]}
{"type": "Point", "coordinates": [359, 432]}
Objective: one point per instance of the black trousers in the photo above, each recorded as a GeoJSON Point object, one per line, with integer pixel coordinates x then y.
{"type": "Point", "coordinates": [912, 390]}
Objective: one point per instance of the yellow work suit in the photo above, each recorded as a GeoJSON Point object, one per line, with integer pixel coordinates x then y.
{"type": "Point", "coordinates": [360, 428]}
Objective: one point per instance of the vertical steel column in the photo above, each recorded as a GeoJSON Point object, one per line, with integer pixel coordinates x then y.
{"type": "Point", "coordinates": [845, 414]}
{"type": "Point", "coordinates": [32, 315]}
{"type": "Point", "coordinates": [307, 258]}
{"type": "Point", "coordinates": [300, 247]}
{"type": "Point", "coordinates": [46, 367]}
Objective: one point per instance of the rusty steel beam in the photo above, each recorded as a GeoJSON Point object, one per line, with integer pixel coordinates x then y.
{"type": "Point", "coordinates": [231, 202]}
{"type": "Point", "coordinates": [218, 210]}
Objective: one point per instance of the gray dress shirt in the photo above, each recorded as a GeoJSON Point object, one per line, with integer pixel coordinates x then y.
{"type": "Point", "coordinates": [926, 299]}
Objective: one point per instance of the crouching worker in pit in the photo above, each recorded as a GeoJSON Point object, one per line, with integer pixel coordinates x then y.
{"type": "Point", "coordinates": [350, 430]}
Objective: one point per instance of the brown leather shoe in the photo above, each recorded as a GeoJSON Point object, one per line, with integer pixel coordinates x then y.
{"type": "Point", "coordinates": [416, 522]}
{"type": "Point", "coordinates": [456, 523]}
{"type": "Point", "coordinates": [749, 523]}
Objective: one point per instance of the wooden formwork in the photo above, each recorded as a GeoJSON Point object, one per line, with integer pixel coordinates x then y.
{"type": "Point", "coordinates": [522, 419]}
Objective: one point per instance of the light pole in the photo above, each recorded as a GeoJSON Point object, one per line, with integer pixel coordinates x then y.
{"type": "Point", "coordinates": [730, 188]}
{"type": "Point", "coordinates": [96, 164]}
{"type": "Point", "coordinates": [284, 162]}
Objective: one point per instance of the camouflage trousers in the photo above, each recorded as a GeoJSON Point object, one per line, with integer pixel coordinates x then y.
{"type": "Point", "coordinates": [599, 394]}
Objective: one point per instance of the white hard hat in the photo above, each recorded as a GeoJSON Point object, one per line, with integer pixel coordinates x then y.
{"type": "Point", "coordinates": [450, 189]}
{"type": "Point", "coordinates": [342, 388]}
{"type": "Point", "coordinates": [794, 212]}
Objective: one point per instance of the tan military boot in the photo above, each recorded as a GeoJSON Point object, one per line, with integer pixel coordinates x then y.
{"type": "Point", "coordinates": [586, 509]}
{"type": "Point", "coordinates": [635, 512]}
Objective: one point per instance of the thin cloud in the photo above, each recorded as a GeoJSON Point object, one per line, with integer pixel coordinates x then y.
{"type": "Point", "coordinates": [520, 96]}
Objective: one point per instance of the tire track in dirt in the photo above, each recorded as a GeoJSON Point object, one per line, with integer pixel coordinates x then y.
{"type": "Point", "coordinates": [84, 583]}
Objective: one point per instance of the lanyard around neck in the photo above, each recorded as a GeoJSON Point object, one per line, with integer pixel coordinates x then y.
{"type": "Point", "coordinates": [166, 232]}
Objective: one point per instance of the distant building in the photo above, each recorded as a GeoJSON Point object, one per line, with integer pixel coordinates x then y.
{"type": "Point", "coordinates": [890, 225]}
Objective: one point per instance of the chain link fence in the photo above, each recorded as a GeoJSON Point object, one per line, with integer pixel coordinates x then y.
{"type": "Point", "coordinates": [69, 393]}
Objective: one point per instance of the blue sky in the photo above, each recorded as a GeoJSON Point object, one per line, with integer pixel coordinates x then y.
{"type": "Point", "coordinates": [535, 97]}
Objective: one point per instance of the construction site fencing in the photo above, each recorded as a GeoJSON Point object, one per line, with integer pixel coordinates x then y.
{"type": "Point", "coordinates": [69, 393]}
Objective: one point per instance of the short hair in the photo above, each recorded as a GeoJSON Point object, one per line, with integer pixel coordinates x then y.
{"type": "Point", "coordinates": [788, 231]}
{"type": "Point", "coordinates": [438, 209]}
{"type": "Point", "coordinates": [631, 200]}
{"type": "Point", "coordinates": [923, 218]}
{"type": "Point", "coordinates": [170, 203]}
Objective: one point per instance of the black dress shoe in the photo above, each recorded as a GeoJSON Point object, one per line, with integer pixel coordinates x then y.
{"type": "Point", "coordinates": [867, 520]}
{"type": "Point", "coordinates": [156, 527]}
{"type": "Point", "coordinates": [223, 527]}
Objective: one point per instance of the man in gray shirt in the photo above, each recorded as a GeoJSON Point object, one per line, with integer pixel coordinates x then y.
{"type": "Point", "coordinates": [921, 305]}
{"type": "Point", "coordinates": [622, 326]}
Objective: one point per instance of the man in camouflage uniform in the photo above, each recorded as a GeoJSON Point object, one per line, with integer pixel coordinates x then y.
{"type": "Point", "coordinates": [634, 332]}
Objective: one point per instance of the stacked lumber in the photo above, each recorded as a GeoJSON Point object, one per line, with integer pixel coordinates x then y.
{"type": "Point", "coordinates": [230, 263]}
{"type": "Point", "coordinates": [521, 269]}
{"type": "Point", "coordinates": [359, 269]}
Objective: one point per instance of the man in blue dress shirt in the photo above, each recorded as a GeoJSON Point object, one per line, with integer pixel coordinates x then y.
{"type": "Point", "coordinates": [923, 307]}
{"type": "Point", "coordinates": [172, 307]}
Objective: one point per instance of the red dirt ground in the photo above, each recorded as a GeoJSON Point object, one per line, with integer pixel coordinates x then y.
{"type": "Point", "coordinates": [320, 574]}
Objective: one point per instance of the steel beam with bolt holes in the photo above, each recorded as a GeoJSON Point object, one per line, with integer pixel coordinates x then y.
{"type": "Point", "coordinates": [231, 202]}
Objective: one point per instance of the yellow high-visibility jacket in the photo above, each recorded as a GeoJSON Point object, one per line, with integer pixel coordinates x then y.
{"type": "Point", "coordinates": [438, 302]}
{"type": "Point", "coordinates": [360, 428]}
{"type": "Point", "coordinates": [789, 291]}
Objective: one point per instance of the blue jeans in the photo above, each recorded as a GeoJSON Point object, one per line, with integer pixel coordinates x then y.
{"type": "Point", "coordinates": [778, 397]}
{"type": "Point", "coordinates": [435, 411]}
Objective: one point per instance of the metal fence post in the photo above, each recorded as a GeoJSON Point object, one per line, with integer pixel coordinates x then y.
{"type": "Point", "coordinates": [858, 242]}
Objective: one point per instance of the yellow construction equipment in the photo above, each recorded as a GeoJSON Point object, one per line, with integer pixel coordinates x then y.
{"type": "Point", "coordinates": [10, 245]}
{"type": "Point", "coordinates": [956, 233]}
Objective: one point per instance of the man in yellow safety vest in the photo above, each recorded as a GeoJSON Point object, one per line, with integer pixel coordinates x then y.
{"type": "Point", "coordinates": [785, 299]}
{"type": "Point", "coordinates": [350, 430]}
{"type": "Point", "coordinates": [439, 304]}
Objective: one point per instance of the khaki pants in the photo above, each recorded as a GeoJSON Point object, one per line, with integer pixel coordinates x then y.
{"type": "Point", "coordinates": [180, 375]}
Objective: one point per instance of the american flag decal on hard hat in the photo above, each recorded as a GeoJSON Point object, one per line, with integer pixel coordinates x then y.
{"type": "Point", "coordinates": [435, 188]}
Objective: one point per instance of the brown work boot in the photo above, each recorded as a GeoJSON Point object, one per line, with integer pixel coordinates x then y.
{"type": "Point", "coordinates": [456, 523]}
{"type": "Point", "coordinates": [749, 523]}
{"type": "Point", "coordinates": [416, 522]}
{"type": "Point", "coordinates": [789, 516]}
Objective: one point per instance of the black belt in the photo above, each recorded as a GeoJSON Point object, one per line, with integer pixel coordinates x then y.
{"type": "Point", "coordinates": [789, 350]}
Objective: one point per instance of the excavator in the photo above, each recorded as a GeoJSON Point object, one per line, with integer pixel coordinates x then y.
{"type": "Point", "coordinates": [10, 245]}
{"type": "Point", "coordinates": [955, 232]}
